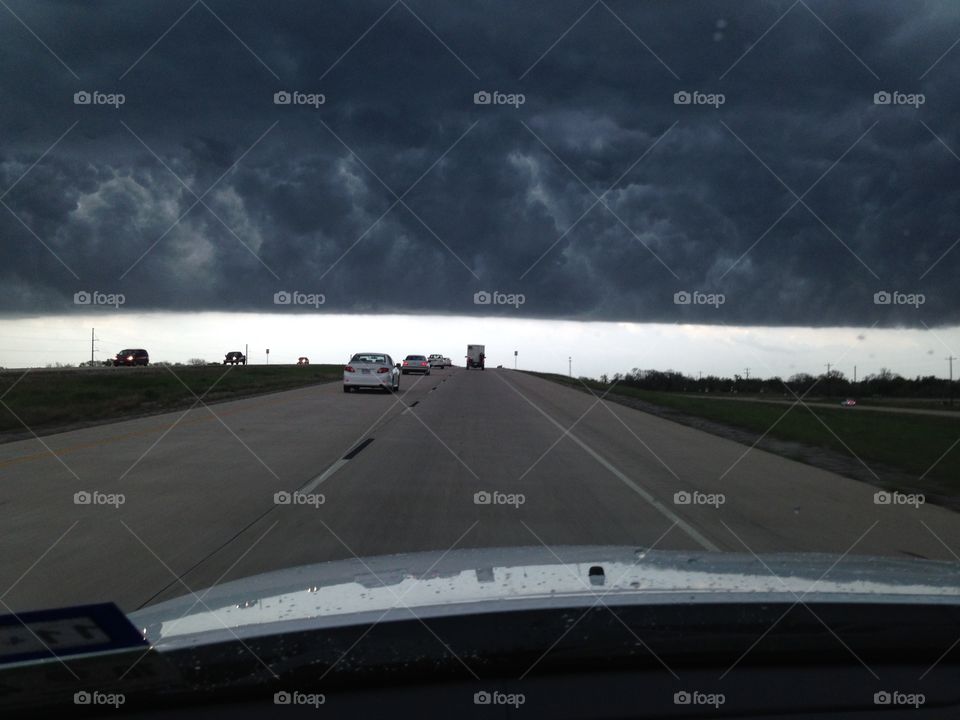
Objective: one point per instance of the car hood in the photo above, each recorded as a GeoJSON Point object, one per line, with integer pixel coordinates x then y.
{"type": "Point", "coordinates": [464, 582]}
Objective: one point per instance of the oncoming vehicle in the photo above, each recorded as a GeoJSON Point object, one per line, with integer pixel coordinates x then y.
{"type": "Point", "coordinates": [416, 364]}
{"type": "Point", "coordinates": [132, 357]}
{"type": "Point", "coordinates": [303, 361]}
{"type": "Point", "coordinates": [235, 358]}
{"type": "Point", "coordinates": [372, 370]}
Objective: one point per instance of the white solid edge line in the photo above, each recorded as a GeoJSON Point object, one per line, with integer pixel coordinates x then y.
{"type": "Point", "coordinates": [681, 523]}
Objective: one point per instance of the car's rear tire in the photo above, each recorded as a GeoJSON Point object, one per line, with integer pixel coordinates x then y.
{"type": "Point", "coordinates": [346, 388]}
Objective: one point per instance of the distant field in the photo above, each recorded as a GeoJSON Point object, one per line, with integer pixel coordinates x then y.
{"type": "Point", "coordinates": [51, 398]}
{"type": "Point", "coordinates": [910, 443]}
{"type": "Point", "coordinates": [940, 405]}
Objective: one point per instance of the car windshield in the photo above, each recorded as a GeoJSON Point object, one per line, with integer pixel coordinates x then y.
{"type": "Point", "coordinates": [689, 269]}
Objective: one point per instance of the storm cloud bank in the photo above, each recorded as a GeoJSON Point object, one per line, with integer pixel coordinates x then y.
{"type": "Point", "coordinates": [765, 163]}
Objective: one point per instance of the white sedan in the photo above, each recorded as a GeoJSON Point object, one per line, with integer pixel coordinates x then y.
{"type": "Point", "coordinates": [373, 370]}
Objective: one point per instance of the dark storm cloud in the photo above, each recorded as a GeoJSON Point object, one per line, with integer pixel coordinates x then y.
{"type": "Point", "coordinates": [598, 198]}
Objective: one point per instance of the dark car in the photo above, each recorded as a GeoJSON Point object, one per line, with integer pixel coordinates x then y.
{"type": "Point", "coordinates": [303, 361]}
{"type": "Point", "coordinates": [132, 357]}
{"type": "Point", "coordinates": [235, 358]}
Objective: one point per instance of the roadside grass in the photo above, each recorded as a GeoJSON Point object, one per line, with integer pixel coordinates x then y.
{"type": "Point", "coordinates": [919, 445]}
{"type": "Point", "coordinates": [896, 403]}
{"type": "Point", "coordinates": [45, 399]}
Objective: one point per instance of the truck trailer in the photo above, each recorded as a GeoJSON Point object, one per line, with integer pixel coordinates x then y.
{"type": "Point", "coordinates": [476, 354]}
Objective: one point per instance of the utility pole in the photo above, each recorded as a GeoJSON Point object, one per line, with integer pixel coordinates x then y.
{"type": "Point", "coordinates": [701, 375]}
{"type": "Point", "coordinates": [854, 374]}
{"type": "Point", "coordinates": [828, 368]}
{"type": "Point", "coordinates": [570, 366]}
{"type": "Point", "coordinates": [747, 372]}
{"type": "Point", "coordinates": [514, 359]}
{"type": "Point", "coordinates": [91, 346]}
{"type": "Point", "coordinates": [950, 360]}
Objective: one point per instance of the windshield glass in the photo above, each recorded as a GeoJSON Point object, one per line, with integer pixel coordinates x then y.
{"type": "Point", "coordinates": [367, 358]}
{"type": "Point", "coordinates": [689, 270]}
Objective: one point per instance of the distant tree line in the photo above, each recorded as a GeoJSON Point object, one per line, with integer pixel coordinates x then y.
{"type": "Point", "coordinates": [885, 383]}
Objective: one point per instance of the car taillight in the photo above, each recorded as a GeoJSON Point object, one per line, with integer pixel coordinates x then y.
{"type": "Point", "coordinates": [383, 370]}
{"type": "Point", "coordinates": [348, 369]}
{"type": "Point", "coordinates": [405, 362]}
{"type": "Point", "coordinates": [423, 364]}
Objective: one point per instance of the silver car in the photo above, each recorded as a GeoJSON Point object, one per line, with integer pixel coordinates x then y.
{"type": "Point", "coordinates": [373, 370]}
{"type": "Point", "coordinates": [415, 364]}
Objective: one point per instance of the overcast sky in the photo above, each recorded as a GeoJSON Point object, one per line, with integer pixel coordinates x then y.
{"type": "Point", "coordinates": [786, 195]}
{"type": "Point", "coordinates": [584, 348]}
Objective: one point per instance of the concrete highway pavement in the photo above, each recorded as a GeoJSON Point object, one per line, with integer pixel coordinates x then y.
{"type": "Point", "coordinates": [200, 489]}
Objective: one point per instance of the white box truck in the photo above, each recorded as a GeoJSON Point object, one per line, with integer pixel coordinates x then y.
{"type": "Point", "coordinates": [475, 356]}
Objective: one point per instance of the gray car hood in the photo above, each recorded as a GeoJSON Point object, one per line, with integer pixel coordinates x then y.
{"type": "Point", "coordinates": [463, 582]}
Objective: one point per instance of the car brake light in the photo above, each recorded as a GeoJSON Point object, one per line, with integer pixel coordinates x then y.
{"type": "Point", "coordinates": [405, 362]}
{"type": "Point", "coordinates": [383, 370]}
{"type": "Point", "coordinates": [423, 364]}
{"type": "Point", "coordinates": [348, 369]}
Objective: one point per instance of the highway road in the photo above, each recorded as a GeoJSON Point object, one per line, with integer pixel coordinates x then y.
{"type": "Point", "coordinates": [199, 489]}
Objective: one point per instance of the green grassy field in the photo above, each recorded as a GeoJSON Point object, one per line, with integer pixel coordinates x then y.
{"type": "Point", "coordinates": [910, 443]}
{"type": "Point", "coordinates": [899, 403]}
{"type": "Point", "coordinates": [45, 399]}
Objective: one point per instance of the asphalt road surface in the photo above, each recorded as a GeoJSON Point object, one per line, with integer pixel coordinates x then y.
{"type": "Point", "coordinates": [200, 502]}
